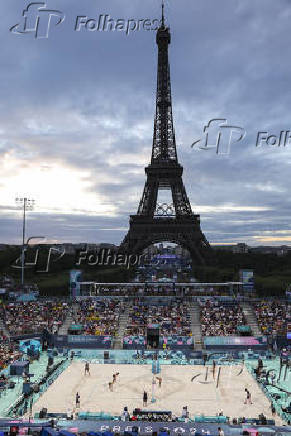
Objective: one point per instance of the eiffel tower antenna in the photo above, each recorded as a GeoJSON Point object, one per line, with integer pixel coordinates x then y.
{"type": "Point", "coordinates": [163, 16]}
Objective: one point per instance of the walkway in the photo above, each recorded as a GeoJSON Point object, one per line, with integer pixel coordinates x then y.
{"type": "Point", "coordinates": [196, 326]}
{"type": "Point", "coordinates": [251, 319]}
{"type": "Point", "coordinates": [123, 323]}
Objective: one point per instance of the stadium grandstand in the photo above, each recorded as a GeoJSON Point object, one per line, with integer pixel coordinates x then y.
{"type": "Point", "coordinates": [146, 358]}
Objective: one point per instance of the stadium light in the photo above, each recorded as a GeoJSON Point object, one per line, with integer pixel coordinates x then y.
{"type": "Point", "coordinates": [27, 204]}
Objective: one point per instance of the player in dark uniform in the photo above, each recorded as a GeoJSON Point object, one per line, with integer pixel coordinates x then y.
{"type": "Point", "coordinates": [87, 368]}
{"type": "Point", "coordinates": [77, 399]}
{"type": "Point", "coordinates": [145, 398]}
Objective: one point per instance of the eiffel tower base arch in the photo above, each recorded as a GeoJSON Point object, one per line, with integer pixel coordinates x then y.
{"type": "Point", "coordinates": [185, 232]}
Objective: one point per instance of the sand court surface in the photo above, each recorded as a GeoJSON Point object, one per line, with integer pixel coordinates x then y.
{"type": "Point", "coordinates": [182, 385]}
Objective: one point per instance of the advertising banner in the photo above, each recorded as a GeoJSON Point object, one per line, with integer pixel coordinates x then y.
{"type": "Point", "coordinates": [75, 279]}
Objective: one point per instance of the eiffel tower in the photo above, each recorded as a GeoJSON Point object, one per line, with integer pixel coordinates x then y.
{"type": "Point", "coordinates": [156, 222]}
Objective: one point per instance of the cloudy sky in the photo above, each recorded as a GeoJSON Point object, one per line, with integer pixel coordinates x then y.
{"type": "Point", "coordinates": [77, 109]}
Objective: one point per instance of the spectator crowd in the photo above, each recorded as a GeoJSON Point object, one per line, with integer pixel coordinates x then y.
{"type": "Point", "coordinates": [98, 317]}
{"type": "Point", "coordinates": [34, 317]}
{"type": "Point", "coordinates": [173, 319]}
{"type": "Point", "coordinates": [220, 320]}
{"type": "Point", "coordinates": [273, 317]}
{"type": "Point", "coordinates": [8, 352]}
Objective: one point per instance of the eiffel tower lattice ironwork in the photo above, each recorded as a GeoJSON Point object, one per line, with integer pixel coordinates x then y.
{"type": "Point", "coordinates": [154, 222]}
